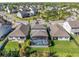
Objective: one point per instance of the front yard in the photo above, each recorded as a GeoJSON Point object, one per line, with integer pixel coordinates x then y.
{"type": "Point", "coordinates": [12, 46]}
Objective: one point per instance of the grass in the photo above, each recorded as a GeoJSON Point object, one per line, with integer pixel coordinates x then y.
{"type": "Point", "coordinates": [12, 46]}
{"type": "Point", "coordinates": [65, 48]}
{"type": "Point", "coordinates": [61, 48]}
{"type": "Point", "coordinates": [41, 49]}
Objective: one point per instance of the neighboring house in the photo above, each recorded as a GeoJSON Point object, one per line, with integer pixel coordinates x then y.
{"type": "Point", "coordinates": [39, 38]}
{"type": "Point", "coordinates": [9, 10]}
{"type": "Point", "coordinates": [20, 33]}
{"type": "Point", "coordinates": [56, 22]}
{"type": "Point", "coordinates": [33, 11]}
{"type": "Point", "coordinates": [72, 27]}
{"type": "Point", "coordinates": [4, 30]}
{"type": "Point", "coordinates": [38, 35]}
{"type": "Point", "coordinates": [3, 21]}
{"type": "Point", "coordinates": [23, 14]}
{"type": "Point", "coordinates": [71, 18]}
{"type": "Point", "coordinates": [21, 22]}
{"type": "Point", "coordinates": [57, 32]}
{"type": "Point", "coordinates": [14, 10]}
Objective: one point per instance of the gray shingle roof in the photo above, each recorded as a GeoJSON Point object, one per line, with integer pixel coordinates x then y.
{"type": "Point", "coordinates": [21, 30]}
{"type": "Point", "coordinates": [39, 33]}
{"type": "Point", "coordinates": [74, 24]}
{"type": "Point", "coordinates": [38, 26]}
{"type": "Point", "coordinates": [58, 31]}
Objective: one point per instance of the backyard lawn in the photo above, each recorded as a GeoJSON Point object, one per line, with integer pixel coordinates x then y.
{"type": "Point", "coordinates": [61, 49]}
{"type": "Point", "coordinates": [65, 48]}
{"type": "Point", "coordinates": [12, 46]}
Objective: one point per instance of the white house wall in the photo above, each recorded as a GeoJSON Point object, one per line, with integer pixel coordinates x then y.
{"type": "Point", "coordinates": [19, 15]}
{"type": "Point", "coordinates": [63, 38]}
{"type": "Point", "coordinates": [16, 39]}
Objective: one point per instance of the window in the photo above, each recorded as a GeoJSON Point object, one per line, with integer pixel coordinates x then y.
{"type": "Point", "coordinates": [22, 37]}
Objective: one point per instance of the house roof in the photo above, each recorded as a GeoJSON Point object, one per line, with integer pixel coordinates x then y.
{"type": "Point", "coordinates": [56, 22]}
{"type": "Point", "coordinates": [4, 30]}
{"type": "Point", "coordinates": [58, 31]}
{"type": "Point", "coordinates": [37, 25]}
{"type": "Point", "coordinates": [3, 21]}
{"type": "Point", "coordinates": [39, 33]}
{"type": "Point", "coordinates": [24, 13]}
{"type": "Point", "coordinates": [74, 24]}
{"type": "Point", "coordinates": [21, 30]}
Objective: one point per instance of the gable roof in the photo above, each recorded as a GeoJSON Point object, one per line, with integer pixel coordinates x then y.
{"type": "Point", "coordinates": [39, 33]}
{"type": "Point", "coordinates": [24, 13]}
{"type": "Point", "coordinates": [21, 30]}
{"type": "Point", "coordinates": [74, 24]}
{"type": "Point", "coordinates": [3, 21]}
{"type": "Point", "coordinates": [58, 31]}
{"type": "Point", "coordinates": [38, 26]}
{"type": "Point", "coordinates": [5, 29]}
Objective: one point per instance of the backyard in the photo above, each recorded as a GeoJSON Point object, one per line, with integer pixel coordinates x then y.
{"type": "Point", "coordinates": [65, 48]}
{"type": "Point", "coordinates": [60, 49]}
{"type": "Point", "coordinates": [12, 46]}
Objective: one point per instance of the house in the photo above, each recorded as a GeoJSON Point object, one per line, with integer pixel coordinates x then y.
{"type": "Point", "coordinates": [14, 10]}
{"type": "Point", "coordinates": [4, 30]}
{"type": "Point", "coordinates": [8, 9]}
{"type": "Point", "coordinates": [71, 18]}
{"type": "Point", "coordinates": [33, 11]}
{"type": "Point", "coordinates": [3, 21]}
{"type": "Point", "coordinates": [72, 27]}
{"type": "Point", "coordinates": [38, 26]}
{"type": "Point", "coordinates": [60, 22]}
{"type": "Point", "coordinates": [39, 38]}
{"type": "Point", "coordinates": [20, 33]}
{"type": "Point", "coordinates": [39, 35]}
{"type": "Point", "coordinates": [23, 14]}
{"type": "Point", "coordinates": [27, 12]}
{"type": "Point", "coordinates": [39, 20]}
{"type": "Point", "coordinates": [57, 32]}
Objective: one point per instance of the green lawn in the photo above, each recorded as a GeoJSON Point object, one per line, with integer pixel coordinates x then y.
{"type": "Point", "coordinates": [12, 46]}
{"type": "Point", "coordinates": [61, 48]}
{"type": "Point", "coordinates": [65, 48]}
{"type": "Point", "coordinates": [41, 49]}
